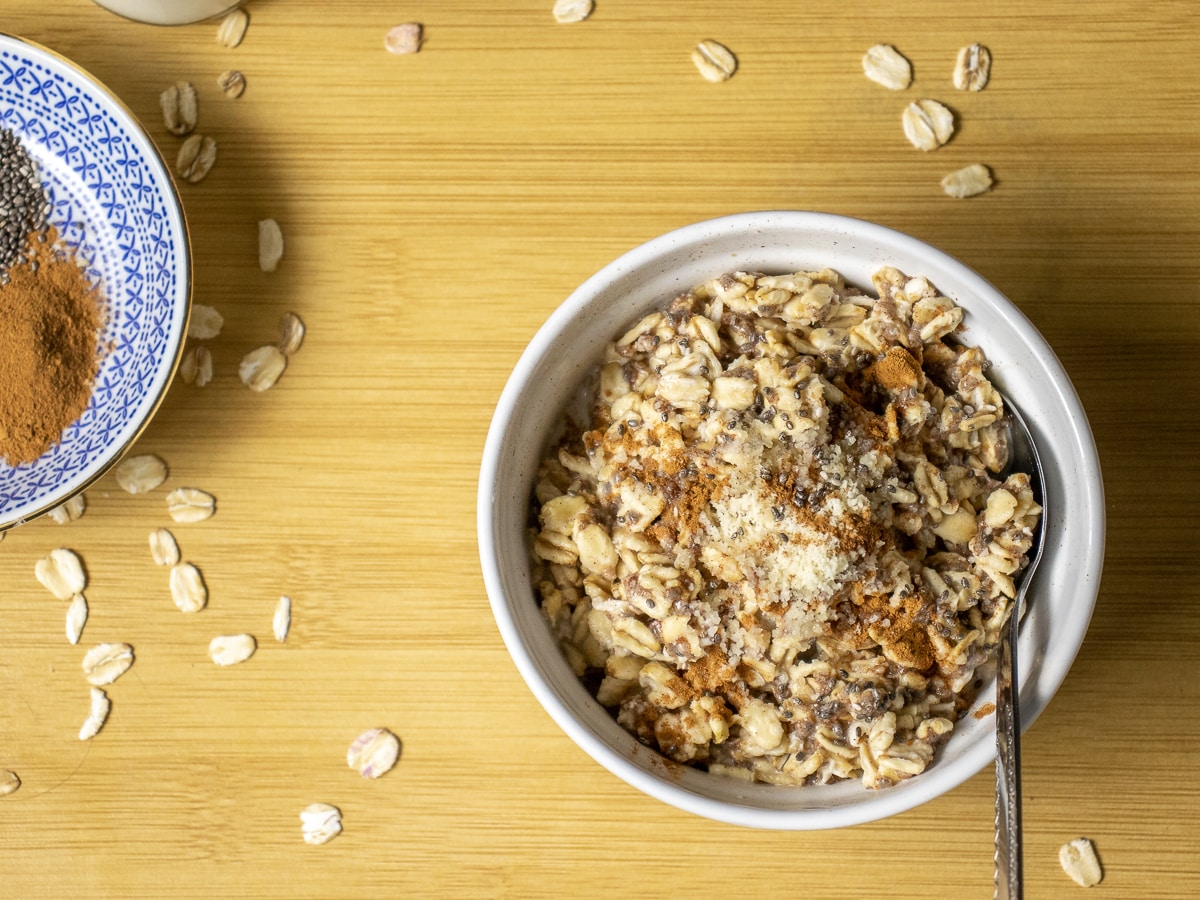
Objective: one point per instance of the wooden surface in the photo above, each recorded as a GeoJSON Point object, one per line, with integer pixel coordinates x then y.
{"type": "Point", "coordinates": [436, 209]}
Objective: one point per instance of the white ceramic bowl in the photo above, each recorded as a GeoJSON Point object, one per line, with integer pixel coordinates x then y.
{"type": "Point", "coordinates": [169, 12]}
{"type": "Point", "coordinates": [571, 343]}
{"type": "Point", "coordinates": [115, 206]}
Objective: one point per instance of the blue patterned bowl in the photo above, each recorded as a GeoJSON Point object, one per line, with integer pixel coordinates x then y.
{"type": "Point", "coordinates": [115, 205]}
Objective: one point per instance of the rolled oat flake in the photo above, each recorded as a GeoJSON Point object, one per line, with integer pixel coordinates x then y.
{"type": "Point", "coordinates": [9, 782]}
{"type": "Point", "coordinates": [373, 753]}
{"type": "Point", "coordinates": [320, 823]}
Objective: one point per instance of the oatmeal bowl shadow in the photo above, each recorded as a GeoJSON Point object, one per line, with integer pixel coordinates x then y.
{"type": "Point", "coordinates": [565, 356]}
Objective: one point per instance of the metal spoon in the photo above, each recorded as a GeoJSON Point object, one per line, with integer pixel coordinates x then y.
{"type": "Point", "coordinates": [1009, 881]}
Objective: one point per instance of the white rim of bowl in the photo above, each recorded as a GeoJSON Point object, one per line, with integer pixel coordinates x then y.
{"type": "Point", "coordinates": [882, 804]}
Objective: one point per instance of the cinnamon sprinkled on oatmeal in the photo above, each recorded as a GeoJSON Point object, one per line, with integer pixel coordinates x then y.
{"type": "Point", "coordinates": [771, 547]}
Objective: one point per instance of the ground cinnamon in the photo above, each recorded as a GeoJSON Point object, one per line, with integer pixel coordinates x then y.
{"type": "Point", "coordinates": [50, 320]}
{"type": "Point", "coordinates": [896, 370]}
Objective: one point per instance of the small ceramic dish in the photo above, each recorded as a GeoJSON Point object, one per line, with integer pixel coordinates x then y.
{"type": "Point", "coordinates": [569, 347]}
{"type": "Point", "coordinates": [115, 206]}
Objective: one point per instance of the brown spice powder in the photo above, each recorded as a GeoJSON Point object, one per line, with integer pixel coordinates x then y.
{"type": "Point", "coordinates": [50, 320]}
{"type": "Point", "coordinates": [896, 370]}
{"type": "Point", "coordinates": [852, 533]}
{"type": "Point", "coordinates": [710, 673]}
{"type": "Point", "coordinates": [904, 639]}
{"type": "Point", "coordinates": [984, 711]}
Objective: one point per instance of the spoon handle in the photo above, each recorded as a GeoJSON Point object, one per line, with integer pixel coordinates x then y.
{"type": "Point", "coordinates": [1008, 874]}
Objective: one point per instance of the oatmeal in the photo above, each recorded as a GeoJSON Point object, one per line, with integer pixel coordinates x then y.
{"type": "Point", "coordinates": [780, 548]}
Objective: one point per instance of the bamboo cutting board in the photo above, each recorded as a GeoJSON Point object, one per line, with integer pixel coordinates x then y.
{"type": "Point", "coordinates": [436, 209]}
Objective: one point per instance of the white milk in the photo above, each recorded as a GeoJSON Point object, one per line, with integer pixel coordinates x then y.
{"type": "Point", "coordinates": [169, 12]}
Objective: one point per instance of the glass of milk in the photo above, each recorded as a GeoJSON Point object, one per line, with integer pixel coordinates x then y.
{"type": "Point", "coordinates": [170, 12]}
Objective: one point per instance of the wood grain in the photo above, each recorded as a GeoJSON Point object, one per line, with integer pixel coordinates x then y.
{"type": "Point", "coordinates": [436, 209]}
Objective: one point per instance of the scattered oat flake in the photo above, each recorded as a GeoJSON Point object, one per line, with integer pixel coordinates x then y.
{"type": "Point", "coordinates": [61, 573]}
{"type": "Point", "coordinates": [972, 68]}
{"type": "Point", "coordinates": [178, 104]}
{"type": "Point", "coordinates": [291, 333]}
{"type": "Point", "coordinates": [270, 245]}
{"type": "Point", "coordinates": [1078, 859]}
{"type": "Point", "coordinates": [404, 39]}
{"type": "Point", "coordinates": [927, 124]}
{"type": "Point", "coordinates": [567, 12]}
{"type": "Point", "coordinates": [196, 366]}
{"type": "Point", "coordinates": [187, 588]}
{"type": "Point", "coordinates": [97, 716]}
{"type": "Point", "coordinates": [205, 323]}
{"type": "Point", "coordinates": [373, 753]}
{"type": "Point", "coordinates": [261, 368]}
{"type": "Point", "coordinates": [282, 622]}
{"type": "Point", "coordinates": [77, 616]}
{"type": "Point", "coordinates": [196, 157]}
{"type": "Point", "coordinates": [232, 83]}
{"type": "Point", "coordinates": [105, 663]}
{"type": "Point", "coordinates": [320, 823]}
{"type": "Point", "coordinates": [204, 366]}
{"type": "Point", "coordinates": [968, 181]}
{"type": "Point", "coordinates": [9, 782]}
{"type": "Point", "coordinates": [886, 65]}
{"type": "Point", "coordinates": [188, 366]}
{"type": "Point", "coordinates": [190, 505]}
{"type": "Point", "coordinates": [69, 510]}
{"type": "Point", "coordinates": [140, 474]}
{"type": "Point", "coordinates": [163, 547]}
{"type": "Point", "coordinates": [232, 29]}
{"type": "Point", "coordinates": [231, 649]}
{"type": "Point", "coordinates": [714, 61]}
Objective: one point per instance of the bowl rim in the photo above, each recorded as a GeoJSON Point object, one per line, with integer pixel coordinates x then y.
{"type": "Point", "coordinates": [878, 804]}
{"type": "Point", "coordinates": [141, 137]}
{"type": "Point", "coordinates": [167, 18]}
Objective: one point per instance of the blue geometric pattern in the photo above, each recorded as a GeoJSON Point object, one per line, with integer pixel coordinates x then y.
{"type": "Point", "coordinates": [115, 207]}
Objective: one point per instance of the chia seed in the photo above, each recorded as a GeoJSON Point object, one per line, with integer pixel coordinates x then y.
{"type": "Point", "coordinates": [24, 204]}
